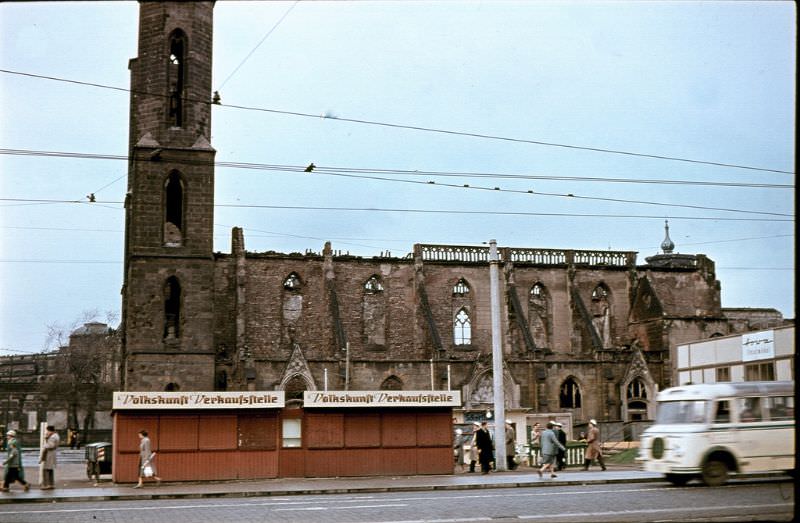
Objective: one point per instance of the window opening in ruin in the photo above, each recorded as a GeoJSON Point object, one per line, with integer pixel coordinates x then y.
{"type": "Point", "coordinates": [569, 396]}
{"type": "Point", "coordinates": [172, 308]}
{"type": "Point", "coordinates": [294, 388]}
{"type": "Point", "coordinates": [172, 387]}
{"type": "Point", "coordinates": [462, 331]}
{"type": "Point", "coordinates": [637, 400]}
{"type": "Point", "coordinates": [373, 285]}
{"type": "Point", "coordinates": [292, 282]}
{"type": "Point", "coordinates": [461, 288]}
{"type": "Point", "coordinates": [600, 292]}
{"type": "Point", "coordinates": [539, 315]}
{"type": "Point", "coordinates": [392, 383]}
{"type": "Point", "coordinates": [177, 76]}
{"type": "Point", "coordinates": [173, 213]}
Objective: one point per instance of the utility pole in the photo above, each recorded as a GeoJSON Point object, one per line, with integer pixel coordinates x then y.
{"type": "Point", "coordinates": [497, 361]}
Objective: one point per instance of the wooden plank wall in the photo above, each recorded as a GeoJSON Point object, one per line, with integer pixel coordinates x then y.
{"type": "Point", "coordinates": [245, 445]}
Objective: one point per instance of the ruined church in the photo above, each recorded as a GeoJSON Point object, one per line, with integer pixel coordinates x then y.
{"type": "Point", "coordinates": [592, 333]}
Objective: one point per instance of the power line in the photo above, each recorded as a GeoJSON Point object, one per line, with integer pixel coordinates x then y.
{"type": "Point", "coordinates": [259, 44]}
{"type": "Point", "coordinates": [355, 170]}
{"type": "Point", "coordinates": [441, 211]}
{"type": "Point", "coordinates": [462, 186]}
{"type": "Point", "coordinates": [413, 127]}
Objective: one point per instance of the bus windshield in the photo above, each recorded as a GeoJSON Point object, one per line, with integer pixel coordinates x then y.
{"type": "Point", "coordinates": [674, 412]}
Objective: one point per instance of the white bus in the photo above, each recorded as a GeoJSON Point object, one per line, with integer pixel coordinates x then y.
{"type": "Point", "coordinates": [712, 430]}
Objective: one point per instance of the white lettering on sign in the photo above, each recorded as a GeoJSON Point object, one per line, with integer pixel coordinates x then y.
{"type": "Point", "coordinates": [758, 345]}
{"type": "Point", "coordinates": [199, 400]}
{"type": "Point", "coordinates": [382, 398]}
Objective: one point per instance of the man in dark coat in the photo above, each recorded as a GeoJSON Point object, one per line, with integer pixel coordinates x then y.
{"type": "Point", "coordinates": [561, 454]}
{"type": "Point", "coordinates": [483, 440]}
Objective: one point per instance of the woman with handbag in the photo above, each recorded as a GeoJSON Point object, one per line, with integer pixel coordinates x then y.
{"type": "Point", "coordinates": [147, 468]}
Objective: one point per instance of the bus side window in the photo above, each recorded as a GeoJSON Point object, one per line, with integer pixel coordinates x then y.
{"type": "Point", "coordinates": [781, 408]}
{"type": "Point", "coordinates": [751, 410]}
{"type": "Point", "coordinates": [723, 414]}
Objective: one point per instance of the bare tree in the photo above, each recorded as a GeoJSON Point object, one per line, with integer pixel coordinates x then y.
{"type": "Point", "coordinates": [86, 366]}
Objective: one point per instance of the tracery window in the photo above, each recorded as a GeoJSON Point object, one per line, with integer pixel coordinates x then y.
{"type": "Point", "coordinates": [373, 285]}
{"type": "Point", "coordinates": [461, 288]}
{"type": "Point", "coordinates": [292, 282]}
{"type": "Point", "coordinates": [462, 331]}
{"type": "Point", "coordinates": [539, 315]}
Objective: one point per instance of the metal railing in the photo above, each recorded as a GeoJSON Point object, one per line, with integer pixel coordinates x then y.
{"type": "Point", "coordinates": [576, 451]}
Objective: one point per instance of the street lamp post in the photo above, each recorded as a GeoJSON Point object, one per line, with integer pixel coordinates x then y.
{"type": "Point", "coordinates": [497, 361]}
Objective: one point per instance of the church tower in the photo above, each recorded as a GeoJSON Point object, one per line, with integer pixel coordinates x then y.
{"type": "Point", "coordinates": [167, 294]}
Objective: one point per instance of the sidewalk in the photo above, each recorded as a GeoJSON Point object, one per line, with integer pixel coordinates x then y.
{"type": "Point", "coordinates": [73, 485]}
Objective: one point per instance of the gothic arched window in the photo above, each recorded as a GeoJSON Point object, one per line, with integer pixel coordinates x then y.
{"type": "Point", "coordinates": [295, 387]}
{"type": "Point", "coordinates": [392, 383]}
{"type": "Point", "coordinates": [461, 288]}
{"type": "Point", "coordinates": [172, 308]}
{"type": "Point", "coordinates": [569, 395]}
{"type": "Point", "coordinates": [292, 282]}
{"type": "Point", "coordinates": [462, 328]}
{"type": "Point", "coordinates": [636, 397]}
{"type": "Point", "coordinates": [173, 210]}
{"type": "Point", "coordinates": [373, 285]}
{"type": "Point", "coordinates": [176, 67]}
{"type": "Point", "coordinates": [539, 315]}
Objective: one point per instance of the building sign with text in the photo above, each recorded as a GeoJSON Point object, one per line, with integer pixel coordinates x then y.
{"type": "Point", "coordinates": [199, 400]}
{"type": "Point", "coordinates": [758, 345]}
{"type": "Point", "coordinates": [382, 398]}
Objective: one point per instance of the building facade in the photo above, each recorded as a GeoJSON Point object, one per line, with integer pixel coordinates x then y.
{"type": "Point", "coordinates": [766, 355]}
{"type": "Point", "coordinates": [591, 333]}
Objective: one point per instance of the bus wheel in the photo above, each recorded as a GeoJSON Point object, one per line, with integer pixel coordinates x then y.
{"type": "Point", "coordinates": [715, 473]}
{"type": "Point", "coordinates": [678, 479]}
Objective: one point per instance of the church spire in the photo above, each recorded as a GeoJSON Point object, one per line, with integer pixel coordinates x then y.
{"type": "Point", "coordinates": [667, 245]}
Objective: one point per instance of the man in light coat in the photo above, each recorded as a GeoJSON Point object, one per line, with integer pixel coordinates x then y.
{"type": "Point", "coordinates": [48, 457]}
{"type": "Point", "coordinates": [550, 444]}
{"type": "Point", "coordinates": [593, 449]}
{"type": "Point", "coordinates": [511, 446]}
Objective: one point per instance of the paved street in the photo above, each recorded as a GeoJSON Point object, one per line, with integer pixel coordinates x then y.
{"type": "Point", "coordinates": [753, 500]}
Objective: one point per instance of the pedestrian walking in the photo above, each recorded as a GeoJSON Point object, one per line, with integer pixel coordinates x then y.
{"type": "Point", "coordinates": [473, 446]}
{"type": "Point", "coordinates": [511, 446]}
{"type": "Point", "coordinates": [550, 444]}
{"type": "Point", "coordinates": [48, 457]}
{"type": "Point", "coordinates": [12, 465]}
{"type": "Point", "coordinates": [147, 467]}
{"type": "Point", "coordinates": [485, 446]}
{"type": "Point", "coordinates": [561, 454]}
{"type": "Point", "coordinates": [458, 449]}
{"type": "Point", "coordinates": [594, 450]}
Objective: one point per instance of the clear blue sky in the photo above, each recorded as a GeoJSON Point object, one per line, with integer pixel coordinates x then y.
{"type": "Point", "coordinates": [705, 81]}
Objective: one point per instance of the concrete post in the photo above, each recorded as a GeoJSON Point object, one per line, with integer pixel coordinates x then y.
{"type": "Point", "coordinates": [497, 361]}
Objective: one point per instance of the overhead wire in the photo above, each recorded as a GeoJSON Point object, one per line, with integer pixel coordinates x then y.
{"type": "Point", "coordinates": [360, 170]}
{"type": "Point", "coordinates": [434, 211]}
{"type": "Point", "coordinates": [258, 44]}
{"type": "Point", "coordinates": [412, 127]}
{"type": "Point", "coordinates": [417, 182]}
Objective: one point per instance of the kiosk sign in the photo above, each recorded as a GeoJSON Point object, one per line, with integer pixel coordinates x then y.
{"type": "Point", "coordinates": [758, 345]}
{"type": "Point", "coordinates": [382, 398]}
{"type": "Point", "coordinates": [199, 400]}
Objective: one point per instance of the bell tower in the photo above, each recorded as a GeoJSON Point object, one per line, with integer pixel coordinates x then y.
{"type": "Point", "coordinates": [167, 294]}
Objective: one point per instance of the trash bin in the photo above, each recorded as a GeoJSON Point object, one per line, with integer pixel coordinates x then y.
{"type": "Point", "coordinates": [98, 459]}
